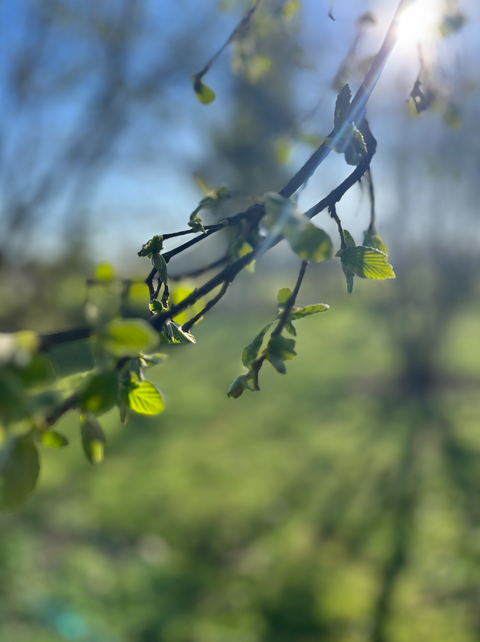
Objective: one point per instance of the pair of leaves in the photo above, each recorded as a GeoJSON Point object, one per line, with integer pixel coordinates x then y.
{"type": "Point", "coordinates": [309, 242]}
{"type": "Point", "coordinates": [364, 261]}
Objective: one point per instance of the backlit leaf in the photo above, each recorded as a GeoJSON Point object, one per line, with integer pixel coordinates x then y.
{"type": "Point", "coordinates": [204, 94]}
{"type": "Point", "coordinates": [366, 262]}
{"type": "Point", "coordinates": [145, 399]}
{"type": "Point", "coordinates": [128, 337]}
{"type": "Point", "coordinates": [250, 353]}
{"type": "Point", "coordinates": [53, 439]}
{"type": "Point", "coordinates": [308, 310]}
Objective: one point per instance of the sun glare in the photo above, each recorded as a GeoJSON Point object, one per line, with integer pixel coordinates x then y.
{"type": "Point", "coordinates": [418, 22]}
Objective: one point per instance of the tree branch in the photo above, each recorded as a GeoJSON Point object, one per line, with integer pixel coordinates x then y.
{"type": "Point", "coordinates": [189, 324]}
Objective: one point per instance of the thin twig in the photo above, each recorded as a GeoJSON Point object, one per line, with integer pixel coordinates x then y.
{"type": "Point", "coordinates": [333, 213]}
{"type": "Point", "coordinates": [257, 364]}
{"type": "Point", "coordinates": [371, 192]}
{"type": "Point", "coordinates": [189, 324]}
{"type": "Point", "coordinates": [241, 25]}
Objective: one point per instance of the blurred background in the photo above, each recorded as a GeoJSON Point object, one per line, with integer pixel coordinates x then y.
{"type": "Point", "coordinates": [340, 504]}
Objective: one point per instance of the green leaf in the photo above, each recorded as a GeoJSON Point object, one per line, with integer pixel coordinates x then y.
{"type": "Point", "coordinates": [278, 350]}
{"type": "Point", "coordinates": [250, 353]}
{"type": "Point", "coordinates": [349, 242]}
{"type": "Point", "coordinates": [240, 249]}
{"type": "Point", "coordinates": [308, 310]}
{"type": "Point", "coordinates": [148, 360]}
{"type": "Point", "coordinates": [100, 392]}
{"type": "Point", "coordinates": [238, 385]}
{"type": "Point", "coordinates": [309, 242]}
{"type": "Point", "coordinates": [196, 222]}
{"type": "Point", "coordinates": [356, 150]}
{"type": "Point", "coordinates": [348, 238]}
{"type": "Point", "coordinates": [290, 328]}
{"type": "Point", "coordinates": [179, 336]}
{"type": "Point", "coordinates": [342, 106]}
{"type": "Point", "coordinates": [204, 94]}
{"type": "Point", "coordinates": [372, 239]}
{"type": "Point", "coordinates": [128, 337]}
{"type": "Point", "coordinates": [145, 399]}
{"type": "Point", "coordinates": [282, 297]}
{"type": "Point", "coordinates": [53, 439]}
{"type": "Point", "coordinates": [350, 278]}
{"type": "Point", "coordinates": [93, 438]}
{"type": "Point", "coordinates": [366, 262]}
{"type": "Point", "coordinates": [153, 246]}
{"type": "Point", "coordinates": [19, 470]}
{"type": "Point", "coordinates": [160, 265]}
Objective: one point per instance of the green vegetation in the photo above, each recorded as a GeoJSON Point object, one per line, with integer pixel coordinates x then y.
{"type": "Point", "coordinates": [270, 519]}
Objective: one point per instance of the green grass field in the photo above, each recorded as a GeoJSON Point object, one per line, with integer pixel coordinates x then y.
{"type": "Point", "coordinates": [331, 506]}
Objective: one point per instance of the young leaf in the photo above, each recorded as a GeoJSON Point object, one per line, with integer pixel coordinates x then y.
{"type": "Point", "coordinates": [342, 106]}
{"type": "Point", "coordinates": [19, 470]}
{"type": "Point", "coordinates": [153, 246]}
{"type": "Point", "coordinates": [100, 392]}
{"type": "Point", "coordinates": [278, 350]}
{"type": "Point", "coordinates": [145, 399]}
{"type": "Point", "coordinates": [129, 337]}
{"type": "Point", "coordinates": [179, 336]}
{"type": "Point", "coordinates": [356, 150]}
{"type": "Point", "coordinates": [350, 278]}
{"type": "Point", "coordinates": [204, 94]}
{"type": "Point", "coordinates": [93, 438]}
{"type": "Point", "coordinates": [305, 239]}
{"type": "Point", "coordinates": [196, 222]}
{"type": "Point", "coordinates": [53, 439]}
{"type": "Point", "coordinates": [308, 310]}
{"type": "Point", "coordinates": [371, 239]}
{"type": "Point", "coordinates": [148, 360]}
{"type": "Point", "coordinates": [290, 328]}
{"type": "Point", "coordinates": [366, 262]}
{"type": "Point", "coordinates": [282, 297]}
{"type": "Point", "coordinates": [309, 242]}
{"type": "Point", "coordinates": [250, 353]}
{"type": "Point", "coordinates": [348, 238]}
{"type": "Point", "coordinates": [238, 385]}
{"type": "Point", "coordinates": [160, 264]}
